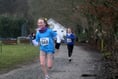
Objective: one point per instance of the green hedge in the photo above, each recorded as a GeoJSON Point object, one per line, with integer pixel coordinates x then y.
{"type": "Point", "coordinates": [10, 26]}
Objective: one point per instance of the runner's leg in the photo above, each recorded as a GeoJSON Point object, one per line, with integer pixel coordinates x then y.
{"type": "Point", "coordinates": [50, 58]}
{"type": "Point", "coordinates": [43, 62]}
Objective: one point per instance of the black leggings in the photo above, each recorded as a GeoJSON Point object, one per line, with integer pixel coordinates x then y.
{"type": "Point", "coordinates": [57, 45]}
{"type": "Point", "coordinates": [70, 50]}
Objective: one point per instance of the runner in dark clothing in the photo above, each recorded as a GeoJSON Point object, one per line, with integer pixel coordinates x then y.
{"type": "Point", "coordinates": [70, 38]}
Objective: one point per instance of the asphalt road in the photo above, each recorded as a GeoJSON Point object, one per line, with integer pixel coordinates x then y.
{"type": "Point", "coordinates": [85, 64]}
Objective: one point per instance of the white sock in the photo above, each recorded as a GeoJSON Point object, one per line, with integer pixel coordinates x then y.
{"type": "Point", "coordinates": [69, 58]}
{"type": "Point", "coordinates": [47, 76]}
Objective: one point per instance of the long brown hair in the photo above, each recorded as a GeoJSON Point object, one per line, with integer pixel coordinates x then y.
{"type": "Point", "coordinates": [45, 21]}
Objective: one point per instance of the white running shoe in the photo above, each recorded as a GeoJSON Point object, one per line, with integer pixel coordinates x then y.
{"type": "Point", "coordinates": [47, 77]}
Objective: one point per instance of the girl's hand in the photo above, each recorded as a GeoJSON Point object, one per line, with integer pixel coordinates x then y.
{"type": "Point", "coordinates": [35, 43]}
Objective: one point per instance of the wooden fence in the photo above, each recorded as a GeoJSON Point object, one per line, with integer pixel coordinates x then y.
{"type": "Point", "coordinates": [17, 41]}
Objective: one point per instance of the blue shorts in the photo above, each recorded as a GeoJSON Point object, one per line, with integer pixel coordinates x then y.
{"type": "Point", "coordinates": [47, 51]}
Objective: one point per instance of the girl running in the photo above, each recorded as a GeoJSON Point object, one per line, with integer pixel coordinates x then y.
{"type": "Point", "coordinates": [45, 38]}
{"type": "Point", "coordinates": [70, 37]}
{"type": "Point", "coordinates": [59, 39]}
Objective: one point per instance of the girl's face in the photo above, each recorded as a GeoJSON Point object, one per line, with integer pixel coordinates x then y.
{"type": "Point", "coordinates": [41, 23]}
{"type": "Point", "coordinates": [69, 30]}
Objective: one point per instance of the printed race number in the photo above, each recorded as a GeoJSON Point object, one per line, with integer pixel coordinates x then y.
{"type": "Point", "coordinates": [44, 41]}
{"type": "Point", "coordinates": [69, 40]}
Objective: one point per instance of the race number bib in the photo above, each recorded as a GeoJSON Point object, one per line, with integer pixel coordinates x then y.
{"type": "Point", "coordinates": [44, 41]}
{"type": "Point", "coordinates": [69, 40]}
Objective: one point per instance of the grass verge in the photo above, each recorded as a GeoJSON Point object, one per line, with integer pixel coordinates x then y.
{"type": "Point", "coordinates": [14, 55]}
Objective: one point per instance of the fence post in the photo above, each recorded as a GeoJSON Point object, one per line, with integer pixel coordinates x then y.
{"type": "Point", "coordinates": [1, 46]}
{"type": "Point", "coordinates": [18, 40]}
